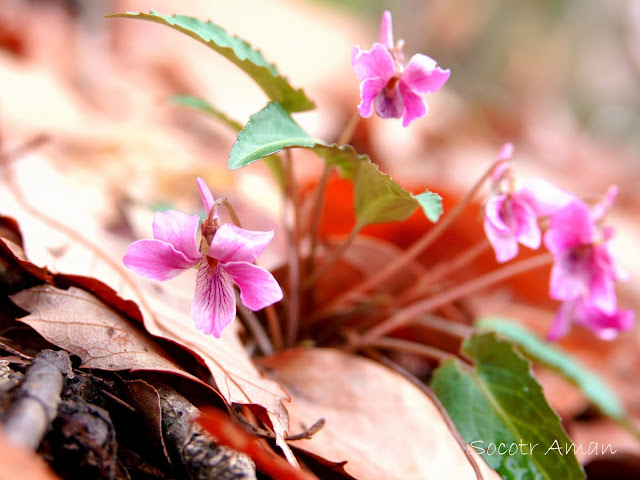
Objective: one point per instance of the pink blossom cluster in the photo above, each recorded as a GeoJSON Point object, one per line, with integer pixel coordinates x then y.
{"type": "Point", "coordinates": [387, 85]}
{"type": "Point", "coordinates": [584, 272]}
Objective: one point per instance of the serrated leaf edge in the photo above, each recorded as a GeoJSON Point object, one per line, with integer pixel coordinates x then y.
{"type": "Point", "coordinates": [271, 67]}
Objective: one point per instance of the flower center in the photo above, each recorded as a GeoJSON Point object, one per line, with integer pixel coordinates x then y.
{"type": "Point", "coordinates": [579, 254]}
{"type": "Point", "coordinates": [213, 263]}
{"type": "Point", "coordinates": [506, 213]}
{"type": "Point", "coordinates": [208, 229]}
{"type": "Point", "coordinates": [390, 87]}
{"type": "Point", "coordinates": [579, 264]}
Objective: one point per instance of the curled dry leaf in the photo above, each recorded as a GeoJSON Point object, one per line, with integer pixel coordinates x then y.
{"type": "Point", "coordinates": [381, 424]}
{"type": "Point", "coordinates": [146, 400]}
{"type": "Point", "coordinates": [166, 314]}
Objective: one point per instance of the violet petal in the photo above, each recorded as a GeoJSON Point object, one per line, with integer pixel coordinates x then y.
{"type": "Point", "coordinates": [156, 259]}
{"type": "Point", "coordinates": [423, 76]}
{"type": "Point", "coordinates": [258, 288]}
{"type": "Point", "coordinates": [374, 63]}
{"type": "Point", "coordinates": [414, 105]}
{"type": "Point", "coordinates": [214, 302]}
{"type": "Point", "coordinates": [179, 230]}
{"type": "Point", "coordinates": [235, 244]}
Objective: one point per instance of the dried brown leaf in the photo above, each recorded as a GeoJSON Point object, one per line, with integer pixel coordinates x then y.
{"type": "Point", "coordinates": [236, 377]}
{"type": "Point", "coordinates": [384, 426]}
{"type": "Point", "coordinates": [78, 322]}
{"type": "Point", "coordinates": [146, 399]}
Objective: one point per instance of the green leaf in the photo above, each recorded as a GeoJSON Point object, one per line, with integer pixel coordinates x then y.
{"type": "Point", "coordinates": [239, 52]}
{"type": "Point", "coordinates": [206, 107]}
{"type": "Point", "coordinates": [500, 405]}
{"type": "Point", "coordinates": [344, 157]}
{"type": "Point", "coordinates": [268, 131]}
{"type": "Point", "coordinates": [561, 362]}
{"type": "Point", "coordinates": [273, 161]}
{"type": "Point", "coordinates": [431, 204]}
{"type": "Point", "coordinates": [378, 198]}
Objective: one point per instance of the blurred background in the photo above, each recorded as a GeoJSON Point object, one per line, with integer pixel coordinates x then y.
{"type": "Point", "coordinates": [558, 78]}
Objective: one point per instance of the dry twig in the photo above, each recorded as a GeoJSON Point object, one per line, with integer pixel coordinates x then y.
{"type": "Point", "coordinates": [38, 397]}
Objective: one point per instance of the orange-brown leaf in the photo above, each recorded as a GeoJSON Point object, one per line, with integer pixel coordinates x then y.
{"type": "Point", "coordinates": [379, 422]}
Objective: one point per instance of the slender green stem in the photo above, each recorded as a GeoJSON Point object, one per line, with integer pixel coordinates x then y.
{"type": "Point", "coordinates": [291, 225]}
{"type": "Point", "coordinates": [333, 257]}
{"type": "Point", "coordinates": [419, 246]}
{"type": "Point", "coordinates": [409, 313]}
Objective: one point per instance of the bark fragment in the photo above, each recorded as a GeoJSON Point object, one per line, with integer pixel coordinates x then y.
{"type": "Point", "coordinates": [37, 399]}
{"type": "Point", "coordinates": [202, 458]}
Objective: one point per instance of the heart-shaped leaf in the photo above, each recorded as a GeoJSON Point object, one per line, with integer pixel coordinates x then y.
{"type": "Point", "coordinates": [561, 362]}
{"type": "Point", "coordinates": [378, 198]}
{"type": "Point", "coordinates": [267, 132]}
{"type": "Point", "coordinates": [251, 61]}
{"type": "Point", "coordinates": [431, 204]}
{"type": "Point", "coordinates": [500, 410]}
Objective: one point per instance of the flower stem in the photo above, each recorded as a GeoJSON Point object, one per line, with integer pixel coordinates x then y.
{"type": "Point", "coordinates": [333, 257]}
{"type": "Point", "coordinates": [274, 327]}
{"type": "Point", "coordinates": [407, 346]}
{"type": "Point", "coordinates": [443, 326]}
{"type": "Point", "coordinates": [420, 245]}
{"type": "Point", "coordinates": [291, 225]}
{"type": "Point", "coordinates": [321, 190]}
{"type": "Point", "coordinates": [408, 314]}
{"type": "Point", "coordinates": [254, 326]}
{"type": "Point", "coordinates": [227, 204]}
{"type": "Point", "coordinates": [349, 129]}
{"type": "Point", "coordinates": [443, 269]}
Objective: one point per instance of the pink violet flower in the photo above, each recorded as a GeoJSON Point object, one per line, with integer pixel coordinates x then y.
{"type": "Point", "coordinates": [511, 218]}
{"type": "Point", "coordinates": [605, 325]}
{"type": "Point", "coordinates": [226, 257]}
{"type": "Point", "coordinates": [387, 85]}
{"type": "Point", "coordinates": [584, 266]}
